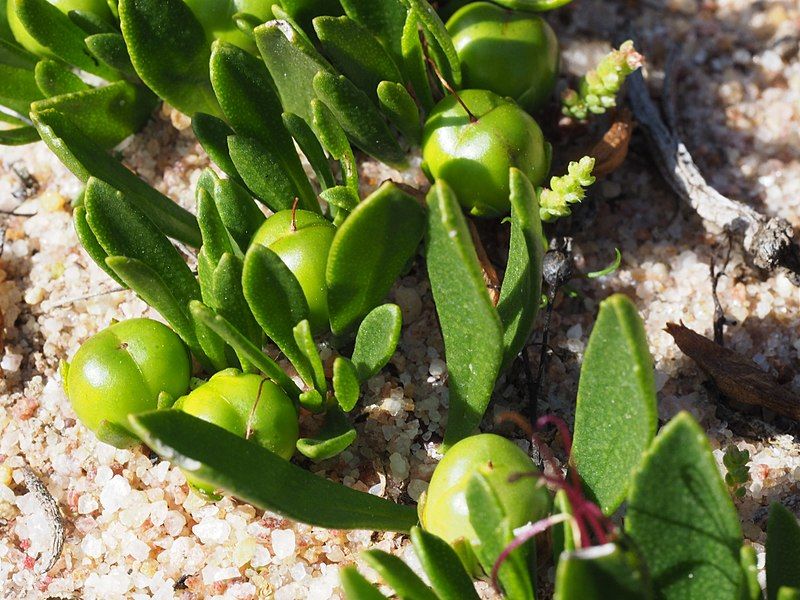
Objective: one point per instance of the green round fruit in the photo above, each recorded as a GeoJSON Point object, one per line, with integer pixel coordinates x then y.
{"type": "Point", "coordinates": [228, 400]}
{"type": "Point", "coordinates": [122, 369]}
{"type": "Point", "coordinates": [444, 512]}
{"type": "Point", "coordinates": [304, 248]}
{"type": "Point", "coordinates": [508, 52]}
{"type": "Point", "coordinates": [216, 17]}
{"type": "Point", "coordinates": [97, 7]}
{"type": "Point", "coordinates": [474, 158]}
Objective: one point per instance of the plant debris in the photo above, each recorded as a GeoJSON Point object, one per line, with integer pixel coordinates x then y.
{"type": "Point", "coordinates": [53, 515]}
{"type": "Point", "coordinates": [612, 150]}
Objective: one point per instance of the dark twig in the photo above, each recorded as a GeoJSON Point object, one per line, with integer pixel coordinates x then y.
{"type": "Point", "coordinates": [768, 242]}
{"type": "Point", "coordinates": [720, 320]}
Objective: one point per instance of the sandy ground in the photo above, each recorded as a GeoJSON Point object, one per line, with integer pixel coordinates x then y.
{"type": "Point", "coordinates": [133, 528]}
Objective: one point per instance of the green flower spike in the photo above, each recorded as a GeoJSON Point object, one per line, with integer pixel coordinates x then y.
{"type": "Point", "coordinates": [598, 89]}
{"type": "Point", "coordinates": [565, 190]}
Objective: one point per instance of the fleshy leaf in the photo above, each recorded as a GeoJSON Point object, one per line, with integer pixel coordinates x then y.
{"type": "Point", "coordinates": [438, 39]}
{"type": "Point", "coordinates": [414, 66]}
{"type": "Point", "coordinates": [748, 558]}
{"type": "Point", "coordinates": [237, 209]}
{"type": "Point", "coordinates": [359, 117]}
{"type": "Point", "coordinates": [376, 340]}
{"type": "Point", "coordinates": [401, 110]}
{"type": "Point", "coordinates": [53, 78]}
{"type": "Point", "coordinates": [561, 533]}
{"type": "Point", "coordinates": [311, 147]}
{"type": "Point", "coordinates": [19, 136]}
{"type": "Point", "coordinates": [229, 462]}
{"type": "Point", "coordinates": [304, 10]}
{"type": "Point", "coordinates": [444, 569]}
{"type": "Point", "coordinates": [682, 519]}
{"type": "Point", "coordinates": [356, 586]}
{"type": "Point", "coordinates": [18, 87]}
{"type": "Point", "coordinates": [346, 386]}
{"type": "Point", "coordinates": [783, 550]}
{"type": "Point", "coordinates": [90, 244]}
{"type": "Point", "coordinates": [601, 573]}
{"type": "Point", "coordinates": [216, 240]}
{"type": "Point", "coordinates": [305, 341]}
{"type": "Point", "coordinates": [391, 224]}
{"type": "Point", "coordinates": [110, 48]}
{"type": "Point", "coordinates": [398, 575]}
{"type": "Point", "coordinates": [522, 282]}
{"type": "Point", "coordinates": [616, 415]}
{"type": "Point", "coordinates": [169, 50]}
{"type": "Point", "coordinates": [473, 334]}
{"type": "Point", "coordinates": [86, 159]}
{"type": "Point", "coordinates": [336, 435]}
{"type": "Point", "coordinates": [213, 133]}
{"type": "Point", "coordinates": [334, 139]}
{"type": "Point", "coordinates": [385, 20]}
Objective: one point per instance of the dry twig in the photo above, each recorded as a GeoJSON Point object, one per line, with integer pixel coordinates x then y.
{"type": "Point", "coordinates": [50, 509]}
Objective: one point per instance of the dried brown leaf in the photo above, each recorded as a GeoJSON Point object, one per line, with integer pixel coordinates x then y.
{"type": "Point", "coordinates": [610, 152]}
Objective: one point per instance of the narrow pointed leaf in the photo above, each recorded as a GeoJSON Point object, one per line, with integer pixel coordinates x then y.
{"type": "Point", "coordinates": [489, 521]}
{"type": "Point", "coordinates": [169, 50]}
{"type": "Point", "coordinates": [444, 569]}
{"type": "Point", "coordinates": [110, 49]}
{"type": "Point", "coordinates": [248, 99]}
{"type": "Point", "coordinates": [55, 31]}
{"type": "Point", "coordinates": [10, 119]}
{"type": "Point", "coordinates": [14, 55]}
{"type": "Point", "coordinates": [384, 19]}
{"type": "Point", "coordinates": [18, 88]}
{"type": "Point", "coordinates": [401, 110]}
{"type": "Point", "coordinates": [292, 62]}
{"type": "Point", "coordinates": [312, 401]}
{"type": "Point", "coordinates": [346, 385]}
{"type": "Point", "coordinates": [108, 114]}
{"type": "Point", "coordinates": [311, 147]}
{"type": "Point", "coordinates": [748, 558]}
{"type": "Point", "coordinates": [376, 340]}
{"type": "Point", "coordinates": [216, 241]}
{"type": "Point", "coordinates": [277, 302]}
{"type": "Point", "coordinates": [213, 133]}
{"type": "Point", "coordinates": [86, 159]}
{"type": "Point", "coordinates": [415, 68]}
{"type": "Point", "coordinates": [616, 415]}
{"type": "Point", "coordinates": [398, 575]}
{"type": "Point", "coordinates": [304, 10]}
{"type": "Point", "coordinates": [90, 244]}
{"type": "Point", "coordinates": [336, 435]}
{"type": "Point", "coordinates": [19, 136]}
{"type": "Point", "coordinates": [305, 341]}
{"type": "Point", "coordinates": [783, 550]}
{"type": "Point", "coordinates": [115, 435]}
{"type": "Point", "coordinates": [237, 209]}
{"type": "Point", "coordinates": [89, 22]}
{"type": "Point", "coordinates": [561, 533]}
{"type": "Point", "coordinates": [54, 78]}
{"type": "Point", "coordinates": [227, 461]}
{"type": "Point", "coordinates": [438, 38]}
{"type": "Point", "coordinates": [682, 519]}
{"type": "Point", "coordinates": [342, 197]}
{"type": "Point", "coordinates": [391, 223]}
{"type": "Point", "coordinates": [334, 139]}
{"type": "Point", "coordinates": [356, 53]}
{"type": "Point", "coordinates": [359, 117]}
{"type": "Point", "coordinates": [356, 586]}
{"type": "Point", "coordinates": [473, 334]}
{"type": "Point", "coordinates": [239, 342]}
{"type": "Point", "coordinates": [522, 282]}
{"type": "Point", "coordinates": [602, 573]}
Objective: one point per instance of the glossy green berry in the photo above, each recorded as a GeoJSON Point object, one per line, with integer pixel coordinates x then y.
{"type": "Point", "coordinates": [242, 403]}
{"type": "Point", "coordinates": [474, 156]}
{"type": "Point", "coordinates": [444, 511]}
{"type": "Point", "coordinates": [121, 371]}
{"type": "Point", "coordinates": [97, 7]}
{"type": "Point", "coordinates": [510, 53]}
{"type": "Point", "coordinates": [216, 17]}
{"type": "Point", "coordinates": [303, 243]}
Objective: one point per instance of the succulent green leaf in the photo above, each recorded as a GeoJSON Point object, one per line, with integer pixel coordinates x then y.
{"type": "Point", "coordinates": [391, 224]}
{"type": "Point", "coordinates": [356, 53]}
{"type": "Point", "coordinates": [489, 521]}
{"type": "Point", "coordinates": [292, 62]}
{"type": "Point", "coordinates": [522, 282]}
{"type": "Point", "coordinates": [216, 240]}
{"type": "Point", "coordinates": [165, 401]}
{"type": "Point", "coordinates": [346, 385]}
{"type": "Point", "coordinates": [89, 242]}
{"type": "Point", "coordinates": [311, 147]}
{"type": "Point", "coordinates": [248, 99]}
{"type": "Point", "coordinates": [90, 22]}
{"type": "Point", "coordinates": [305, 341]}
{"type": "Point", "coordinates": [86, 159]}
{"type": "Point", "coordinates": [213, 133]}
{"type": "Point", "coordinates": [5, 29]}
{"type": "Point", "coordinates": [414, 65]}
{"type": "Point", "coordinates": [682, 519]}
{"type": "Point", "coordinates": [376, 340]}
{"type": "Point", "coordinates": [53, 79]}
{"type": "Point", "coordinates": [107, 114]}
{"type": "Point", "coordinates": [264, 172]}
{"type": "Point", "coordinates": [399, 576]}
{"type": "Point", "coordinates": [110, 49]}
{"type": "Point", "coordinates": [13, 55]}
{"type": "Point", "coordinates": [783, 550]}
{"type": "Point", "coordinates": [341, 197]}
{"type": "Point", "coordinates": [561, 533]}
{"type": "Point", "coordinates": [334, 139]}
{"type": "Point", "coordinates": [384, 19]}
{"type": "Point", "coordinates": [18, 88]}
{"type": "Point", "coordinates": [10, 119]}
{"type": "Point", "coordinates": [356, 586]}
{"type": "Point", "coordinates": [169, 50]}
{"type": "Point", "coordinates": [401, 110]}
{"type": "Point", "coordinates": [303, 11]}
{"type": "Point", "coordinates": [277, 302]}
{"type": "Point", "coordinates": [237, 209]}
{"type": "Point", "coordinates": [533, 5]}
{"type": "Point", "coordinates": [602, 573]}
{"type": "Point", "coordinates": [359, 117]}
{"type": "Point", "coordinates": [440, 42]}
{"type": "Point", "coordinates": [335, 436]}
{"type": "Point", "coordinates": [444, 569]}
{"type": "Point", "coordinates": [115, 435]}
{"type": "Point", "coordinates": [616, 415]}
{"type": "Point", "coordinates": [262, 478]}
{"type": "Point", "coordinates": [244, 347]}
{"type": "Point", "coordinates": [55, 31]}
{"type": "Point", "coordinates": [749, 561]}
{"type": "Point", "coordinates": [473, 333]}
{"type": "Point", "coordinates": [18, 136]}
{"type": "Point", "coordinates": [786, 593]}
